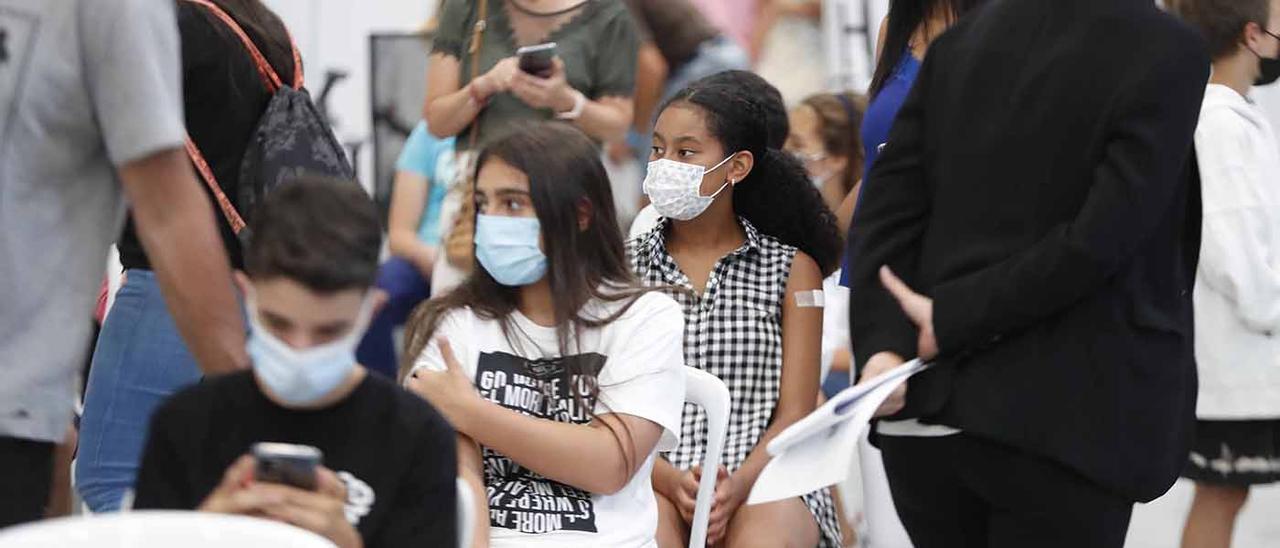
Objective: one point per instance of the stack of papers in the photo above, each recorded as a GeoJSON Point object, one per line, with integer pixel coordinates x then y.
{"type": "Point", "coordinates": [818, 450]}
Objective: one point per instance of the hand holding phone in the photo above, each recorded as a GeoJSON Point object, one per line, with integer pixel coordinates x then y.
{"type": "Point", "coordinates": [537, 60]}
{"type": "Point", "coordinates": [287, 464]}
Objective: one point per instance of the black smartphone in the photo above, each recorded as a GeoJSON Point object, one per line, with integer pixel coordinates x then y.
{"type": "Point", "coordinates": [537, 60]}
{"type": "Point", "coordinates": [287, 464]}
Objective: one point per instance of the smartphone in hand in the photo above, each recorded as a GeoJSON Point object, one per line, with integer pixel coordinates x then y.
{"type": "Point", "coordinates": [287, 464]}
{"type": "Point", "coordinates": [537, 60]}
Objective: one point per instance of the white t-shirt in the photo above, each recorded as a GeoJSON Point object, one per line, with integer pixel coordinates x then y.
{"type": "Point", "coordinates": [639, 360]}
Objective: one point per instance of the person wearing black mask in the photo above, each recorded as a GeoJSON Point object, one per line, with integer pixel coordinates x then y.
{"type": "Point", "coordinates": [1237, 292]}
{"type": "Point", "coordinates": [1039, 245]}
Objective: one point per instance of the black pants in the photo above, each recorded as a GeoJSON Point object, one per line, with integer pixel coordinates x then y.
{"type": "Point", "coordinates": [962, 491]}
{"type": "Point", "coordinates": [26, 472]}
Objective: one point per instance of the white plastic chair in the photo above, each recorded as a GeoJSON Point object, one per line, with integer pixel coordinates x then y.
{"type": "Point", "coordinates": [466, 514]}
{"type": "Point", "coordinates": [159, 529]}
{"type": "Point", "coordinates": [708, 392]}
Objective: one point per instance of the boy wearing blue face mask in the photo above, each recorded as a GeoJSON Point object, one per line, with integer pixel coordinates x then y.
{"type": "Point", "coordinates": [389, 464]}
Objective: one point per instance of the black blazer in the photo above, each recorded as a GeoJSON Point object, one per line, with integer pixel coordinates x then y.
{"type": "Point", "coordinates": [1039, 186]}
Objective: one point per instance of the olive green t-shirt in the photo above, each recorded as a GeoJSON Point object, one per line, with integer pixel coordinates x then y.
{"type": "Point", "coordinates": [598, 45]}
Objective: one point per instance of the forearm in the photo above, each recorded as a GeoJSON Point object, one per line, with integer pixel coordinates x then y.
{"type": "Point", "coordinates": [410, 248]}
{"type": "Point", "coordinates": [605, 122]}
{"type": "Point", "coordinates": [651, 79]}
{"type": "Point", "coordinates": [585, 456]}
{"type": "Point", "coordinates": [666, 477]}
{"type": "Point", "coordinates": [176, 226]}
{"type": "Point", "coordinates": [450, 114]}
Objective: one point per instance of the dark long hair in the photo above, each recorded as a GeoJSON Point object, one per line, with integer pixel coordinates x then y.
{"type": "Point", "coordinates": [905, 16]}
{"type": "Point", "coordinates": [263, 26]}
{"type": "Point", "coordinates": [776, 196]}
{"type": "Point", "coordinates": [583, 266]}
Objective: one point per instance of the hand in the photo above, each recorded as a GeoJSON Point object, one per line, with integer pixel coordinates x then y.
{"type": "Point", "coordinates": [880, 364]}
{"type": "Point", "coordinates": [728, 497]}
{"type": "Point", "coordinates": [918, 308]}
{"type": "Point", "coordinates": [683, 492]}
{"type": "Point", "coordinates": [449, 391]}
{"type": "Point", "coordinates": [497, 80]}
{"type": "Point", "coordinates": [322, 511]}
{"type": "Point", "coordinates": [552, 92]}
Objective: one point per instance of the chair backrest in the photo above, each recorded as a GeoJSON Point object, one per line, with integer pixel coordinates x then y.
{"type": "Point", "coordinates": [708, 392]}
{"type": "Point", "coordinates": [466, 514]}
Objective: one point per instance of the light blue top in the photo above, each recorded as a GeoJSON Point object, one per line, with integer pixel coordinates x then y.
{"type": "Point", "coordinates": [432, 159]}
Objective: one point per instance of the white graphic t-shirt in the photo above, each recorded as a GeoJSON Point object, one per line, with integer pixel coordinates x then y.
{"type": "Point", "coordinates": [637, 362]}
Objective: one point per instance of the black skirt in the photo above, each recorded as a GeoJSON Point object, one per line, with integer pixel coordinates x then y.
{"type": "Point", "coordinates": [1239, 453]}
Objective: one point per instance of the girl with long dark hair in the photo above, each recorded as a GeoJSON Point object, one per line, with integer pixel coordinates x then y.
{"type": "Point", "coordinates": [140, 358]}
{"type": "Point", "coordinates": [905, 35]}
{"type": "Point", "coordinates": [560, 371]}
{"type": "Point", "coordinates": [744, 242]}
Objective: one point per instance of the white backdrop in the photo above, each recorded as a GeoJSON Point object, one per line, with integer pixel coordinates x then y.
{"type": "Point", "coordinates": [334, 34]}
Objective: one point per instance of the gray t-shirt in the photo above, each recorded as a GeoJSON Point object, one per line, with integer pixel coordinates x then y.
{"type": "Point", "coordinates": [85, 87]}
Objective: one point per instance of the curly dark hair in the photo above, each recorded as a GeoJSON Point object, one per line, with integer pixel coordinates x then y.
{"type": "Point", "coordinates": [777, 196]}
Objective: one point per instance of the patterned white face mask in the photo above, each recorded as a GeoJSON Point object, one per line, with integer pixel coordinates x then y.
{"type": "Point", "coordinates": [676, 188]}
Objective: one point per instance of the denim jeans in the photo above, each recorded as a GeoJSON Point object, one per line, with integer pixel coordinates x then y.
{"type": "Point", "coordinates": [140, 361]}
{"type": "Point", "coordinates": [406, 287]}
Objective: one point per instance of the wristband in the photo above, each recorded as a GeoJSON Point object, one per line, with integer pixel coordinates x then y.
{"type": "Point", "coordinates": [579, 104]}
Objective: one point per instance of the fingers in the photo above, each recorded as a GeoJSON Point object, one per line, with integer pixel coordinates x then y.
{"type": "Point", "coordinates": [239, 474]}
{"type": "Point", "coordinates": [329, 484]}
{"type": "Point", "coordinates": [894, 403]}
{"type": "Point", "coordinates": [909, 300]}
{"type": "Point", "coordinates": [446, 352]}
{"type": "Point", "coordinates": [689, 484]}
{"type": "Point", "coordinates": [686, 505]}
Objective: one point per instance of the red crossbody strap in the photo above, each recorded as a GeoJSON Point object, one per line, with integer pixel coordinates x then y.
{"type": "Point", "coordinates": [206, 173]}
{"type": "Point", "coordinates": [269, 76]}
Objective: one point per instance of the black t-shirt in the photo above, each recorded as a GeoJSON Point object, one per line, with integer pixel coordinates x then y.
{"type": "Point", "coordinates": [396, 454]}
{"type": "Point", "coordinates": [223, 99]}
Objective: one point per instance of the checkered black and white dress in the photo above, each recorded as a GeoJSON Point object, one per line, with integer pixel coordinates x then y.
{"type": "Point", "coordinates": [733, 331]}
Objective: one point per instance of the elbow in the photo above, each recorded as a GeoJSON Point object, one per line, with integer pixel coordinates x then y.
{"type": "Point", "coordinates": [437, 124]}
{"type": "Point", "coordinates": [611, 485]}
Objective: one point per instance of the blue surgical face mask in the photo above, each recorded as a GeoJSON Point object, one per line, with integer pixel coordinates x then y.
{"type": "Point", "coordinates": [303, 377]}
{"type": "Point", "coordinates": [507, 248]}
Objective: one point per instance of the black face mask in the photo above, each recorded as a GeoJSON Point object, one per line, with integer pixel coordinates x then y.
{"type": "Point", "coordinates": [1270, 71]}
{"type": "Point", "coordinates": [1269, 68]}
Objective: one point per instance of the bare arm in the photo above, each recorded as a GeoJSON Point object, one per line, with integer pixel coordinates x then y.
{"type": "Point", "coordinates": [599, 457]}
{"type": "Point", "coordinates": [801, 356]}
{"type": "Point", "coordinates": [408, 200]}
{"type": "Point", "coordinates": [588, 456]}
{"type": "Point", "coordinates": [176, 226]}
{"type": "Point", "coordinates": [607, 118]}
{"type": "Point", "coordinates": [651, 79]}
{"type": "Point", "coordinates": [471, 470]}
{"type": "Point", "coordinates": [450, 106]}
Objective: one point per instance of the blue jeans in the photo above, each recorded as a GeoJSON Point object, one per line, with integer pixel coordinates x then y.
{"type": "Point", "coordinates": [406, 287]}
{"type": "Point", "coordinates": [139, 362]}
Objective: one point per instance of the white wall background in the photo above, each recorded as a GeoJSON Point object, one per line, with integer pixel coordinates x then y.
{"type": "Point", "coordinates": [334, 34]}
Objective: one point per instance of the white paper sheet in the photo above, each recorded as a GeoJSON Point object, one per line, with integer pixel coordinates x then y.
{"type": "Point", "coordinates": [817, 450]}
